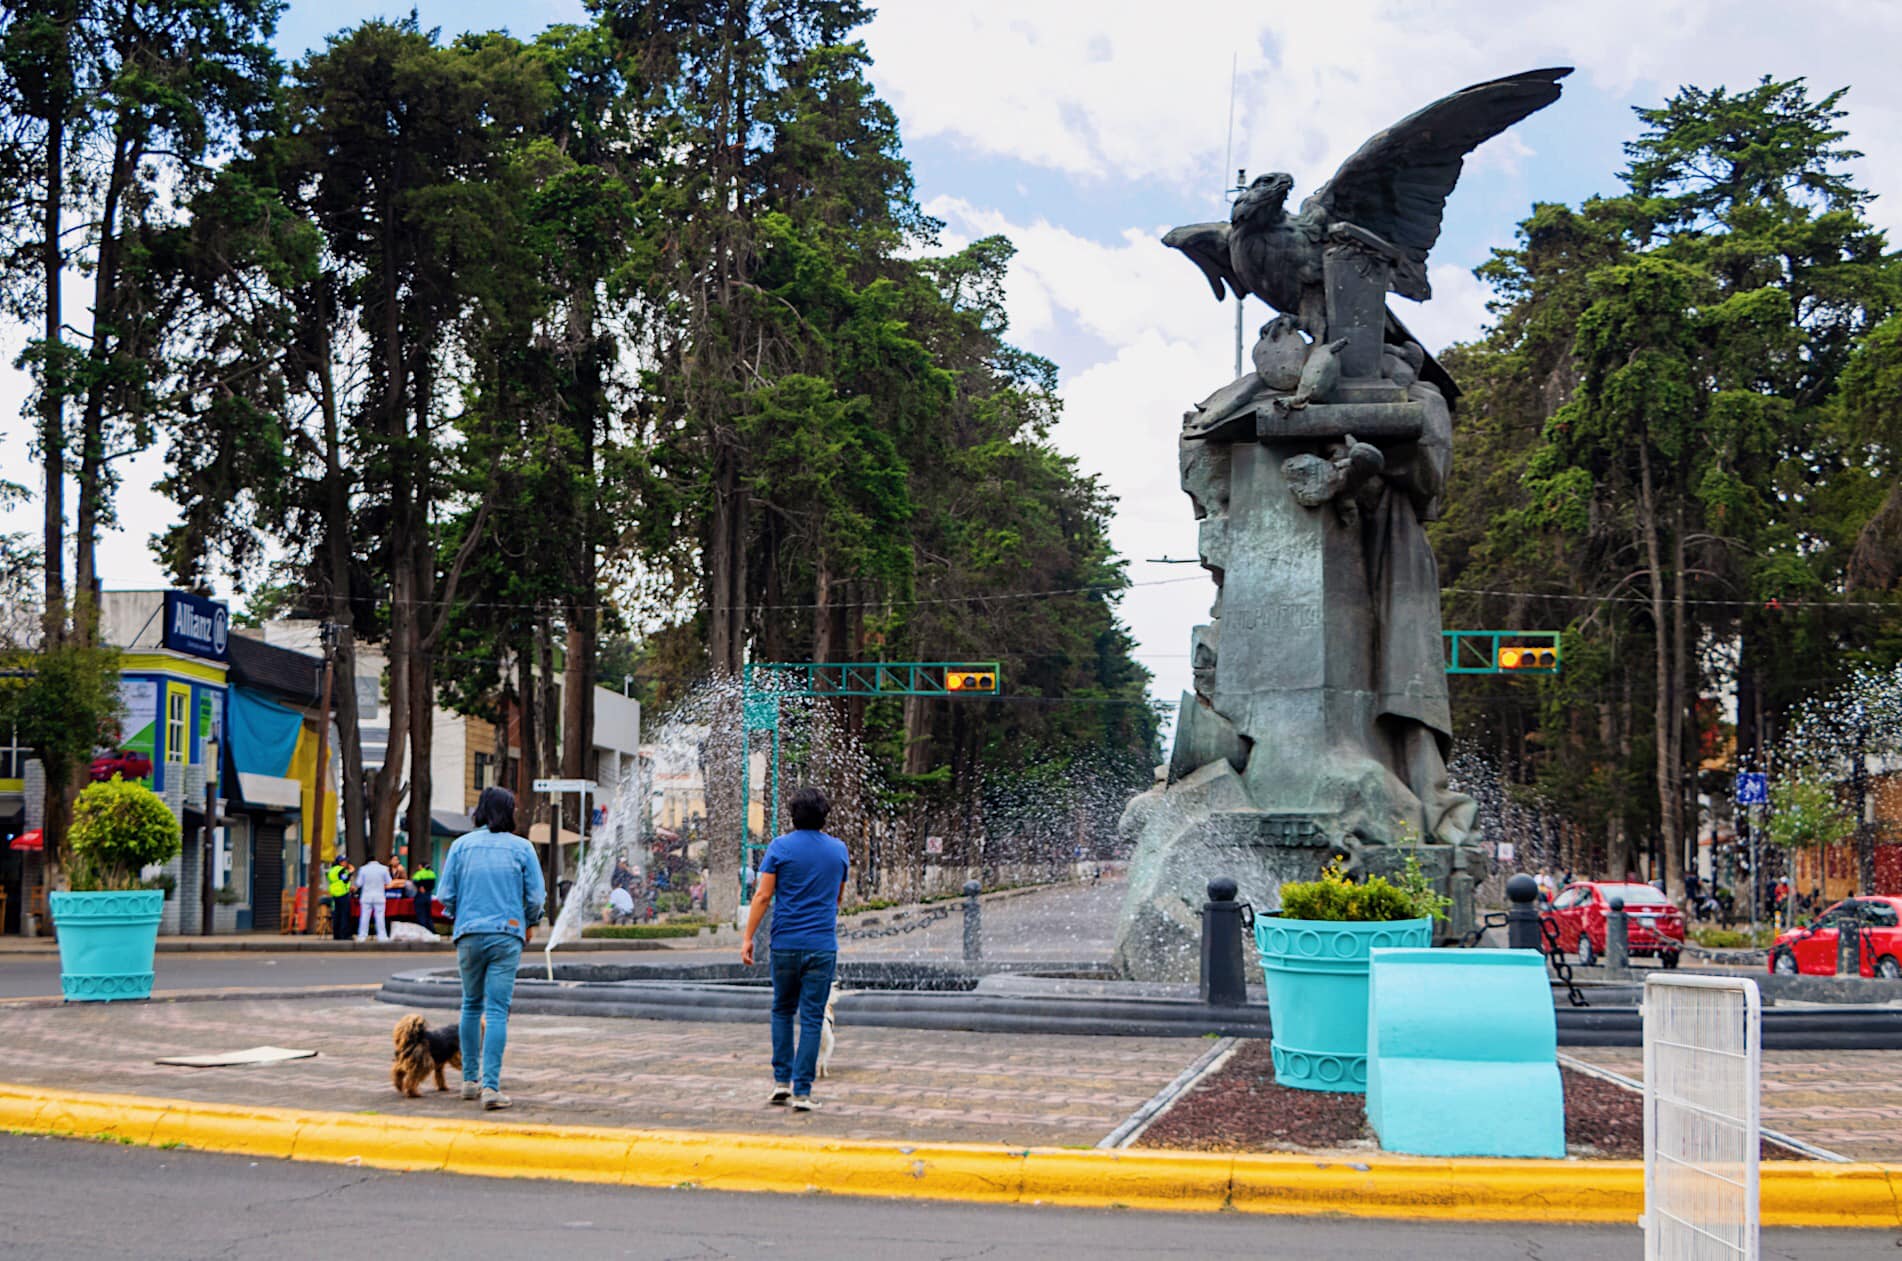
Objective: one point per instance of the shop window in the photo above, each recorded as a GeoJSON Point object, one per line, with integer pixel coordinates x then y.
{"type": "Point", "coordinates": [13, 758]}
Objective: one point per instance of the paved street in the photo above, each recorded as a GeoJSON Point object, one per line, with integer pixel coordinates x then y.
{"type": "Point", "coordinates": [885, 1083]}
{"type": "Point", "coordinates": [93, 1199]}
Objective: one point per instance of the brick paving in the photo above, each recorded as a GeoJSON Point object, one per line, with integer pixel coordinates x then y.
{"type": "Point", "coordinates": [886, 1083]}
{"type": "Point", "coordinates": [1849, 1102]}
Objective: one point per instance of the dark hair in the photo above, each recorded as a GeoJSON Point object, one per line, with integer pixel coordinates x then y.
{"type": "Point", "coordinates": [809, 809]}
{"type": "Point", "coordinates": [495, 810]}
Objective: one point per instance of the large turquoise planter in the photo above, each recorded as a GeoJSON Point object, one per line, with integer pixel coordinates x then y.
{"type": "Point", "coordinates": [1317, 994]}
{"type": "Point", "coordinates": [107, 942]}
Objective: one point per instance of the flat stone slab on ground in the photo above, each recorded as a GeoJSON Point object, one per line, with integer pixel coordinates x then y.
{"type": "Point", "coordinates": [886, 1083]}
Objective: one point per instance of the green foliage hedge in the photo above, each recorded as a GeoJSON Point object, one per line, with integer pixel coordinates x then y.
{"type": "Point", "coordinates": [638, 932]}
{"type": "Point", "coordinates": [119, 828]}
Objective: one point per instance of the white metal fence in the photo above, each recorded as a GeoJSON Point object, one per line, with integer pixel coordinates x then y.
{"type": "Point", "coordinates": [1703, 1058]}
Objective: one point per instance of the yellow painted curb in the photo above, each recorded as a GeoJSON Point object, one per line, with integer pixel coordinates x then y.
{"type": "Point", "coordinates": [1793, 1193]}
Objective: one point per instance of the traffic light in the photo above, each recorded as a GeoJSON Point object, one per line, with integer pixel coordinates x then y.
{"type": "Point", "coordinates": [1526, 658]}
{"type": "Point", "coordinates": [970, 680]}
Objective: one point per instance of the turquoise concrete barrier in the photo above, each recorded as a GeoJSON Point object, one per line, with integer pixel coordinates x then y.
{"type": "Point", "coordinates": [107, 942]}
{"type": "Point", "coordinates": [1317, 994]}
{"type": "Point", "coordinates": [1462, 1054]}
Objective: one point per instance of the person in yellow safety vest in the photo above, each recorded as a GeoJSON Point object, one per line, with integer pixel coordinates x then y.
{"type": "Point", "coordinates": [338, 874]}
{"type": "Point", "coordinates": [423, 882]}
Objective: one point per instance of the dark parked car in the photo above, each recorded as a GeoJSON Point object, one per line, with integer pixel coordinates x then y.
{"type": "Point", "coordinates": [126, 764]}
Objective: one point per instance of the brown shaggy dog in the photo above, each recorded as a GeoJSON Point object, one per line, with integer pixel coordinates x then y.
{"type": "Point", "coordinates": [421, 1051]}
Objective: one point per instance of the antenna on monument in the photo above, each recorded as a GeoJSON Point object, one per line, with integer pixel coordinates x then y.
{"type": "Point", "coordinates": [1229, 194]}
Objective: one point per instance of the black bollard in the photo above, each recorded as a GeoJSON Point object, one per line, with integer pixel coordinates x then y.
{"type": "Point", "coordinates": [1522, 917]}
{"type": "Point", "coordinates": [1617, 936]}
{"type": "Point", "coordinates": [1849, 948]}
{"type": "Point", "coordinates": [1224, 976]}
{"type": "Point", "coordinates": [973, 923]}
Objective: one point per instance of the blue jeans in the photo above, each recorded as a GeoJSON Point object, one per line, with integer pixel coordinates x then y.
{"type": "Point", "coordinates": [488, 962]}
{"type": "Point", "coordinates": [802, 979]}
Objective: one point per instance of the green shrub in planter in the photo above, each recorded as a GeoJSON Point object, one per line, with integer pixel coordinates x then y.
{"type": "Point", "coordinates": [119, 828]}
{"type": "Point", "coordinates": [108, 922]}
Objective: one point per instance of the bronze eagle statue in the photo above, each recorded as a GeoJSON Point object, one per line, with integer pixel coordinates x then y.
{"type": "Point", "coordinates": [1394, 188]}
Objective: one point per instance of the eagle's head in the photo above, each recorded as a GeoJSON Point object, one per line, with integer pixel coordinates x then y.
{"type": "Point", "coordinates": [1262, 202]}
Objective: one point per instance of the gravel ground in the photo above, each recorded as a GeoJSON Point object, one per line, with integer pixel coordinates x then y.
{"type": "Point", "coordinates": [1241, 1108]}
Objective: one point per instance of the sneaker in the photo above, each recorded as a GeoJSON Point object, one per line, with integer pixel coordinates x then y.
{"type": "Point", "coordinates": [803, 1103]}
{"type": "Point", "coordinates": [471, 1091]}
{"type": "Point", "coordinates": [493, 1100]}
{"type": "Point", "coordinates": [781, 1094]}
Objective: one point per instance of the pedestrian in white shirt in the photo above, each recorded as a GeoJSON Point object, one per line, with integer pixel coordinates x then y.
{"type": "Point", "coordinates": [372, 881]}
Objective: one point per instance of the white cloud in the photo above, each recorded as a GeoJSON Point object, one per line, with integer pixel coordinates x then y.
{"type": "Point", "coordinates": [1115, 92]}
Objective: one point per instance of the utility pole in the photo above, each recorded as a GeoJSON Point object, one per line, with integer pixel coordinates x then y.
{"type": "Point", "coordinates": [208, 897]}
{"type": "Point", "coordinates": [1859, 777]}
{"type": "Point", "coordinates": [327, 634]}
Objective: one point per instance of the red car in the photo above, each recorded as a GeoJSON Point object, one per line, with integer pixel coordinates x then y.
{"type": "Point", "coordinates": [1812, 951]}
{"type": "Point", "coordinates": [126, 764]}
{"type": "Point", "coordinates": [1656, 927]}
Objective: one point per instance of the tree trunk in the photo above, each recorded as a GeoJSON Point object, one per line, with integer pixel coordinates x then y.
{"type": "Point", "coordinates": [53, 405]}
{"type": "Point", "coordinates": [549, 707]}
{"type": "Point", "coordinates": [1666, 723]}
{"type": "Point", "coordinates": [403, 528]}
{"type": "Point", "coordinates": [107, 313]}
{"type": "Point", "coordinates": [339, 543]}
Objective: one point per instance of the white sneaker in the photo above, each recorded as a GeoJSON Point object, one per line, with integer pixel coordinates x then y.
{"type": "Point", "coordinates": [359, 939]}
{"type": "Point", "coordinates": [803, 1103]}
{"type": "Point", "coordinates": [781, 1094]}
{"type": "Point", "coordinates": [493, 1100]}
{"type": "Point", "coordinates": [471, 1091]}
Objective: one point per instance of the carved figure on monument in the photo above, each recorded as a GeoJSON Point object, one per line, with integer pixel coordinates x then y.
{"type": "Point", "coordinates": [1319, 724]}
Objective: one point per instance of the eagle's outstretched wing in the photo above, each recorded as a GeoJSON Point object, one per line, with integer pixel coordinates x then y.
{"type": "Point", "coordinates": [1206, 244]}
{"type": "Point", "coordinates": [1396, 184]}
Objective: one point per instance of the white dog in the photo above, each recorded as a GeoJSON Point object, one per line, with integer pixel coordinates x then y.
{"type": "Point", "coordinates": [826, 1037]}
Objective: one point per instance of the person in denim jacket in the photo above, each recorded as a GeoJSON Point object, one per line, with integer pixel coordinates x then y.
{"type": "Point", "coordinates": [491, 885]}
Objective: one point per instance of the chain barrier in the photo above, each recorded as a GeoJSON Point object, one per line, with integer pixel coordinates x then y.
{"type": "Point", "coordinates": [1490, 920]}
{"type": "Point", "coordinates": [1549, 932]}
{"type": "Point", "coordinates": [930, 917]}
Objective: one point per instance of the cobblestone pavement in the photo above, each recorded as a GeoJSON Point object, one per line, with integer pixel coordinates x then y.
{"type": "Point", "coordinates": [885, 1083]}
{"type": "Point", "coordinates": [1849, 1102]}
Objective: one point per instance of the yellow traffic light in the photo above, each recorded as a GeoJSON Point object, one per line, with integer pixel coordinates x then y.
{"type": "Point", "coordinates": [1520, 658]}
{"type": "Point", "coordinates": [970, 680]}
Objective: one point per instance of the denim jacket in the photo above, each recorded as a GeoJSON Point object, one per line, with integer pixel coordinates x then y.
{"type": "Point", "coordinates": [491, 883]}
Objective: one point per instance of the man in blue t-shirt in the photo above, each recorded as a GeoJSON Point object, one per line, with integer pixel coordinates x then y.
{"type": "Point", "coordinates": [802, 878]}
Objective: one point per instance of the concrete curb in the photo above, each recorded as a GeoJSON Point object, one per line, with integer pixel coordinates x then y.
{"type": "Point", "coordinates": [1795, 1194]}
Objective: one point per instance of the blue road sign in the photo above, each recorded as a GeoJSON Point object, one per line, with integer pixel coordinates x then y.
{"type": "Point", "coordinates": [1753, 788]}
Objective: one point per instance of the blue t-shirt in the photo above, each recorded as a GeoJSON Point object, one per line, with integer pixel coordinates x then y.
{"type": "Point", "coordinates": [810, 867]}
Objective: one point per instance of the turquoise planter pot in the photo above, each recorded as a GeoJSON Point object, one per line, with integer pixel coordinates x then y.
{"type": "Point", "coordinates": [1317, 994]}
{"type": "Point", "coordinates": [107, 942]}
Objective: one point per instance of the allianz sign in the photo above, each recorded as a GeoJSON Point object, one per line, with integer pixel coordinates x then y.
{"type": "Point", "coordinates": [196, 625]}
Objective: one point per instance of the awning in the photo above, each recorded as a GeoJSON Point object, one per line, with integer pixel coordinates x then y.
{"type": "Point", "coordinates": [538, 835]}
{"type": "Point", "coordinates": [449, 823]}
{"type": "Point", "coordinates": [34, 840]}
{"type": "Point", "coordinates": [270, 792]}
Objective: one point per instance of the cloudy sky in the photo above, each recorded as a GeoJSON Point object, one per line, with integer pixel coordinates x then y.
{"type": "Point", "coordinates": [1083, 131]}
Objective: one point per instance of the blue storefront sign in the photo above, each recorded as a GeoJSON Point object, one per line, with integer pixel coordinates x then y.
{"type": "Point", "coordinates": [196, 626]}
